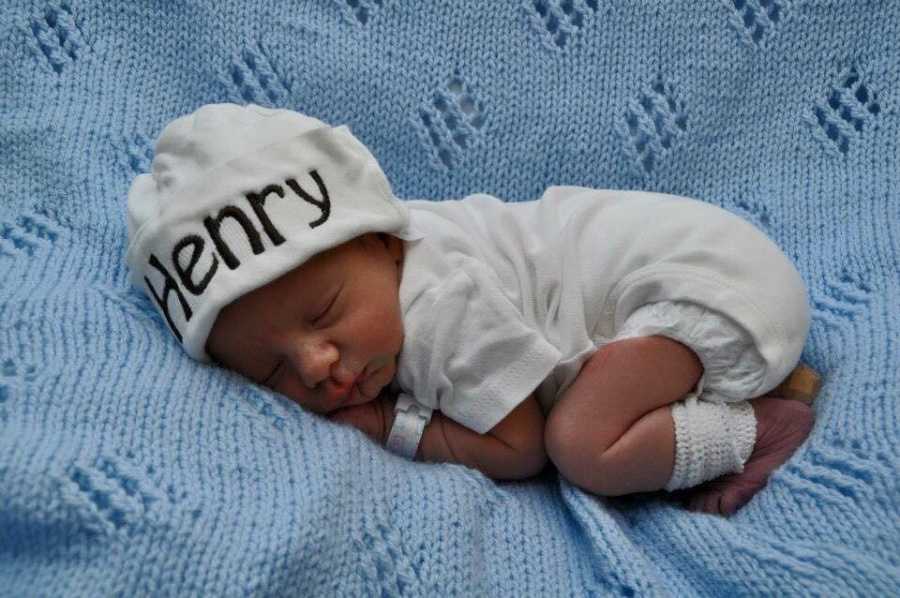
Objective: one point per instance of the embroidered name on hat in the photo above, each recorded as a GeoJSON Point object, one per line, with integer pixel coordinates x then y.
{"type": "Point", "coordinates": [195, 244]}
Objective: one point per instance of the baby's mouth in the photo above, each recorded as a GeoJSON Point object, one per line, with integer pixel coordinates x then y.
{"type": "Point", "coordinates": [344, 395]}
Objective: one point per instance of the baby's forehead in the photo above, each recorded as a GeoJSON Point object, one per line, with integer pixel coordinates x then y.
{"type": "Point", "coordinates": [302, 287]}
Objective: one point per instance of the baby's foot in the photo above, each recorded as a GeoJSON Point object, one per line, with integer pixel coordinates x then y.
{"type": "Point", "coordinates": [781, 426]}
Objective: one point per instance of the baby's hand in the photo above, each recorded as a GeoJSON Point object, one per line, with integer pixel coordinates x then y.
{"type": "Point", "coordinates": [374, 418]}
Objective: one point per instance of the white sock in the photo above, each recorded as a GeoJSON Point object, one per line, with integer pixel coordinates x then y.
{"type": "Point", "coordinates": [711, 439]}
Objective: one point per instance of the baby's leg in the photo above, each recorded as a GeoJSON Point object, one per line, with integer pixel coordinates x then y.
{"type": "Point", "coordinates": [612, 432]}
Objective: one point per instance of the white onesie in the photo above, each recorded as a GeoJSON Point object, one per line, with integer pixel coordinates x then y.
{"type": "Point", "coordinates": [500, 299]}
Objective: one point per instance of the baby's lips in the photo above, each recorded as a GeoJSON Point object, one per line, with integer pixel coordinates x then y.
{"type": "Point", "coordinates": [336, 391]}
{"type": "Point", "coordinates": [344, 376]}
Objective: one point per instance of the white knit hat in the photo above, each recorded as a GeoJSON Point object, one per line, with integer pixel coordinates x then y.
{"type": "Point", "coordinates": [240, 195]}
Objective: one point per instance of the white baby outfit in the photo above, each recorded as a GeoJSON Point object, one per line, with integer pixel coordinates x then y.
{"type": "Point", "coordinates": [500, 299]}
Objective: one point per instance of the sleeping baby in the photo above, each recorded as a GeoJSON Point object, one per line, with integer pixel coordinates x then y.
{"type": "Point", "coordinates": [630, 338]}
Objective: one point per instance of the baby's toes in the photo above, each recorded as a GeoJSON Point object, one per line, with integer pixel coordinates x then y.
{"type": "Point", "coordinates": [734, 499]}
{"type": "Point", "coordinates": [703, 499]}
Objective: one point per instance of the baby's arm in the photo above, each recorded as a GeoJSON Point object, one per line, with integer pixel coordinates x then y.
{"type": "Point", "coordinates": [513, 449]}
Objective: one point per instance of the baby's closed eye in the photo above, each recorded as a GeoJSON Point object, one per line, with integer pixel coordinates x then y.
{"type": "Point", "coordinates": [325, 311]}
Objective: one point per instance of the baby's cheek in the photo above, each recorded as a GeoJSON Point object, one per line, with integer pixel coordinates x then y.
{"type": "Point", "coordinates": [395, 341]}
{"type": "Point", "coordinates": [381, 331]}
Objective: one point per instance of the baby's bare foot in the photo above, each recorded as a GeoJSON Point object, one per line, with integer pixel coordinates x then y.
{"type": "Point", "coordinates": [781, 426]}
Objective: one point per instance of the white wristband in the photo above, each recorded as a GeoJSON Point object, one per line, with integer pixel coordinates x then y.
{"type": "Point", "coordinates": [410, 419]}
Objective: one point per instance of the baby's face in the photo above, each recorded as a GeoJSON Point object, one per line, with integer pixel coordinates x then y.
{"type": "Point", "coordinates": [326, 334]}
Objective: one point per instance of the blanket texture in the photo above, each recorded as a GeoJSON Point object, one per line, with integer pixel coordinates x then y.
{"type": "Point", "coordinates": [128, 469]}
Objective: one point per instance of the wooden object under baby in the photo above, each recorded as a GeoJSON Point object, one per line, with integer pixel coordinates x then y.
{"type": "Point", "coordinates": [803, 384]}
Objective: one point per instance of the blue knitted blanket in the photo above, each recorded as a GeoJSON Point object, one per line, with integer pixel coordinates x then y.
{"type": "Point", "coordinates": [127, 468]}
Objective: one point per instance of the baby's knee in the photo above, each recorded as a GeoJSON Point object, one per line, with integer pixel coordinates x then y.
{"type": "Point", "coordinates": [574, 455]}
{"type": "Point", "coordinates": [577, 465]}
{"type": "Point", "coordinates": [561, 433]}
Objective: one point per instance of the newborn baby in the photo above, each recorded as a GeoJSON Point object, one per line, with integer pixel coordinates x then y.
{"type": "Point", "coordinates": [621, 335]}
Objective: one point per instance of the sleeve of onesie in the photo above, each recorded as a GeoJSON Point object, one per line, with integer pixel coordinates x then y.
{"type": "Point", "coordinates": [471, 354]}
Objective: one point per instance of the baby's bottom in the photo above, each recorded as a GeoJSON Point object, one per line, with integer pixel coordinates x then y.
{"type": "Point", "coordinates": [626, 425]}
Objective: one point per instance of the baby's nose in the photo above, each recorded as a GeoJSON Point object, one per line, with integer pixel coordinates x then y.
{"type": "Point", "coordinates": [316, 364]}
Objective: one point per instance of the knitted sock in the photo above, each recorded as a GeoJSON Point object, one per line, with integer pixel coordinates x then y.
{"type": "Point", "coordinates": [711, 439]}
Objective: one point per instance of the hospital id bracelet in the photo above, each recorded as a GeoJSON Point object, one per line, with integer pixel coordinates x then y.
{"type": "Point", "coordinates": [410, 420]}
